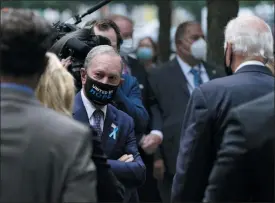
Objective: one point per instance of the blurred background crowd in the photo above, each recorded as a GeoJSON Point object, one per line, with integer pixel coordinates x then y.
{"type": "Point", "coordinates": [146, 16]}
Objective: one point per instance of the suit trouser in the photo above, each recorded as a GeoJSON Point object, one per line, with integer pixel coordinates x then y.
{"type": "Point", "coordinates": [165, 187]}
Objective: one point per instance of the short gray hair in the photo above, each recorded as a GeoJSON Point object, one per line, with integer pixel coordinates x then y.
{"type": "Point", "coordinates": [249, 36]}
{"type": "Point", "coordinates": [101, 49]}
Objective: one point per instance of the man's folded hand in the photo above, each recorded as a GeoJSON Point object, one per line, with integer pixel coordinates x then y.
{"type": "Point", "coordinates": [126, 158]}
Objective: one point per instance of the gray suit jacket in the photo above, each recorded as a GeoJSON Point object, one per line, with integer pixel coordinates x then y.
{"type": "Point", "coordinates": [244, 170]}
{"type": "Point", "coordinates": [45, 156]}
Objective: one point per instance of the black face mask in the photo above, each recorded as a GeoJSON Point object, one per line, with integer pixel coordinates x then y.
{"type": "Point", "coordinates": [99, 93]}
{"type": "Point", "coordinates": [228, 69]}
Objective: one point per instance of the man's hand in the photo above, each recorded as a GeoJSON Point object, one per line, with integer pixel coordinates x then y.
{"type": "Point", "coordinates": [126, 158]}
{"type": "Point", "coordinates": [66, 62]}
{"type": "Point", "coordinates": [159, 169]}
{"type": "Point", "coordinates": [150, 143]}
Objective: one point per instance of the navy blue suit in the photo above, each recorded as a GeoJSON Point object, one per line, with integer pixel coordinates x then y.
{"type": "Point", "coordinates": [131, 174]}
{"type": "Point", "coordinates": [244, 169]}
{"type": "Point", "coordinates": [129, 100]}
{"type": "Point", "coordinates": [205, 123]}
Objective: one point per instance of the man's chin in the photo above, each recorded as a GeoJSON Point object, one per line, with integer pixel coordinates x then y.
{"type": "Point", "coordinates": [97, 105]}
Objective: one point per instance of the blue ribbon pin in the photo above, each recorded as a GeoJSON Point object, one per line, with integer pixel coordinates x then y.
{"type": "Point", "coordinates": [113, 134]}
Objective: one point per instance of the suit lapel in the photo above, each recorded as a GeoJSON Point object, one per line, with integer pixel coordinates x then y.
{"type": "Point", "coordinates": [79, 111]}
{"type": "Point", "coordinates": [110, 122]}
{"type": "Point", "coordinates": [179, 76]}
{"type": "Point", "coordinates": [211, 72]}
{"type": "Point", "coordinates": [132, 66]}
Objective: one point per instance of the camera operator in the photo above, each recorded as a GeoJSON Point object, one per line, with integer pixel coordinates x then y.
{"type": "Point", "coordinates": [128, 96]}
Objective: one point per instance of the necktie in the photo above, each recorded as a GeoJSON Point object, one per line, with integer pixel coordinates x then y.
{"type": "Point", "coordinates": [197, 77]}
{"type": "Point", "coordinates": [97, 115]}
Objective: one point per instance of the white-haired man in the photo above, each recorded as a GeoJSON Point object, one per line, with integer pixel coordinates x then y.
{"type": "Point", "coordinates": [101, 77]}
{"type": "Point", "coordinates": [248, 46]}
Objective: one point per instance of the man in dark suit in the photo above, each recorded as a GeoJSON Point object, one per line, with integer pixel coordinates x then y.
{"type": "Point", "coordinates": [101, 77]}
{"type": "Point", "coordinates": [207, 111]}
{"type": "Point", "coordinates": [128, 96]}
{"type": "Point", "coordinates": [244, 169]}
{"type": "Point", "coordinates": [172, 85]}
{"type": "Point", "coordinates": [45, 156]}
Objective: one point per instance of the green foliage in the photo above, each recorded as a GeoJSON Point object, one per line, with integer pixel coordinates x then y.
{"type": "Point", "coordinates": [254, 3]}
{"type": "Point", "coordinates": [59, 5]}
{"type": "Point", "coordinates": [190, 4]}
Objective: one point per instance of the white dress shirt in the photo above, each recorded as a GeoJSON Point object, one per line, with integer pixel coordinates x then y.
{"type": "Point", "coordinates": [186, 69]}
{"type": "Point", "coordinates": [90, 110]}
{"type": "Point", "coordinates": [249, 63]}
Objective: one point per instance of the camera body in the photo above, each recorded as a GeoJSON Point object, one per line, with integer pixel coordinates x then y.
{"type": "Point", "coordinates": [77, 44]}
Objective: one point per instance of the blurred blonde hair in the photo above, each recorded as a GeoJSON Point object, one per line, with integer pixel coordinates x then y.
{"type": "Point", "coordinates": [56, 88]}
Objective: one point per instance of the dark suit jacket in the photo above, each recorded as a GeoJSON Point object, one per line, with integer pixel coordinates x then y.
{"type": "Point", "coordinates": [45, 156]}
{"type": "Point", "coordinates": [171, 93]}
{"type": "Point", "coordinates": [138, 71]}
{"type": "Point", "coordinates": [106, 180]}
{"type": "Point", "coordinates": [129, 100]}
{"type": "Point", "coordinates": [131, 174]}
{"type": "Point", "coordinates": [205, 123]}
{"type": "Point", "coordinates": [244, 170]}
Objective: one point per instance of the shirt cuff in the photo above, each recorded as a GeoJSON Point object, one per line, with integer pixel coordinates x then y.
{"type": "Point", "coordinates": [158, 133]}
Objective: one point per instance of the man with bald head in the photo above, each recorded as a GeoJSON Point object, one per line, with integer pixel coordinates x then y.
{"type": "Point", "coordinates": [248, 46]}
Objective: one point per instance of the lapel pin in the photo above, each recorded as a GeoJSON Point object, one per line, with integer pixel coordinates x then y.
{"type": "Point", "coordinates": [115, 129]}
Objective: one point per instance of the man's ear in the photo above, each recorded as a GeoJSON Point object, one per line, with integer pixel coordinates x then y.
{"type": "Point", "coordinates": [228, 54]}
{"type": "Point", "coordinates": [83, 74]}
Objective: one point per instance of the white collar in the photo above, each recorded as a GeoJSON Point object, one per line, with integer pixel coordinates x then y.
{"type": "Point", "coordinates": [187, 68]}
{"type": "Point", "coordinates": [89, 106]}
{"type": "Point", "coordinates": [252, 62]}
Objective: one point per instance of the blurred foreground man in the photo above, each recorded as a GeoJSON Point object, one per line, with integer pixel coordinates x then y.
{"type": "Point", "coordinates": [248, 45]}
{"type": "Point", "coordinates": [244, 170]}
{"type": "Point", "coordinates": [45, 156]}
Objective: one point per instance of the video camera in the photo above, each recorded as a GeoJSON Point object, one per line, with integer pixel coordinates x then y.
{"type": "Point", "coordinates": [78, 50]}
{"type": "Point", "coordinates": [72, 41]}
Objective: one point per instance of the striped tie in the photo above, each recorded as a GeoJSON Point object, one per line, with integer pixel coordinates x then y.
{"type": "Point", "coordinates": [97, 115]}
